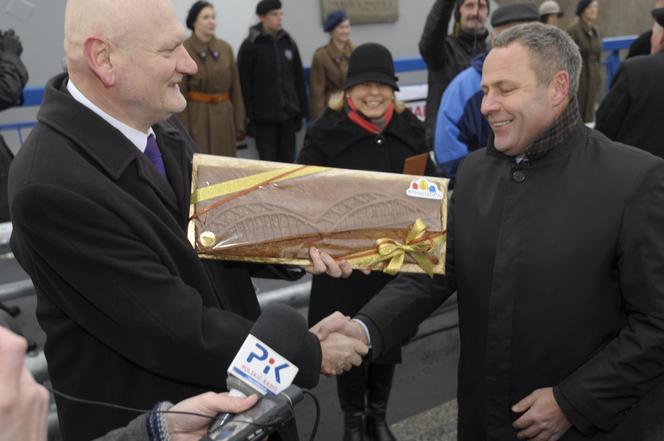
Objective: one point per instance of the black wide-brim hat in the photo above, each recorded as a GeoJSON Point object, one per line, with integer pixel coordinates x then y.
{"type": "Point", "coordinates": [371, 63]}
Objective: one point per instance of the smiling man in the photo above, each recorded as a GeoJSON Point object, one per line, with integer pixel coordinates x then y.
{"type": "Point", "coordinates": [556, 249]}
{"type": "Point", "coordinates": [99, 199]}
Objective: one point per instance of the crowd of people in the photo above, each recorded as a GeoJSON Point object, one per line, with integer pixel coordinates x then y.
{"type": "Point", "coordinates": [560, 303]}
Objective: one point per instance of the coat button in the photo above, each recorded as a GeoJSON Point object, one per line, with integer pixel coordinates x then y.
{"type": "Point", "coordinates": [518, 176]}
{"type": "Point", "coordinates": [380, 140]}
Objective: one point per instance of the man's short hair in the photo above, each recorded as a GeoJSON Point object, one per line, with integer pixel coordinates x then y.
{"type": "Point", "coordinates": [551, 50]}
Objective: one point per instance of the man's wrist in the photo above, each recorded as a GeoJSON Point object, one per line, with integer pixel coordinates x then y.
{"type": "Point", "coordinates": [365, 329]}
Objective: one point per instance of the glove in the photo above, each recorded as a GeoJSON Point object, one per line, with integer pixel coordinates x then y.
{"type": "Point", "coordinates": [10, 42]}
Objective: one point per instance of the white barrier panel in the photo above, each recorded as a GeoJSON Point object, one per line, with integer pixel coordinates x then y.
{"type": "Point", "coordinates": [414, 96]}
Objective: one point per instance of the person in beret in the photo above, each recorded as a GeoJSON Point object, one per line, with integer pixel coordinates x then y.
{"type": "Point", "coordinates": [273, 86]}
{"type": "Point", "coordinates": [364, 127]}
{"type": "Point", "coordinates": [632, 111]}
{"type": "Point", "coordinates": [330, 62]}
{"type": "Point", "coordinates": [214, 116]}
{"type": "Point", "coordinates": [584, 32]}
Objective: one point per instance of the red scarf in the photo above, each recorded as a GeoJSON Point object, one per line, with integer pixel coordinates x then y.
{"type": "Point", "coordinates": [367, 125]}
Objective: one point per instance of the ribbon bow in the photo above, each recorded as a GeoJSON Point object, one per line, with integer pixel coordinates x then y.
{"type": "Point", "coordinates": [417, 246]}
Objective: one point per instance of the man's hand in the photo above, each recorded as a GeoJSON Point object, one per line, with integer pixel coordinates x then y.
{"type": "Point", "coordinates": [192, 428]}
{"type": "Point", "coordinates": [23, 402]}
{"type": "Point", "coordinates": [341, 353]}
{"type": "Point", "coordinates": [323, 263]}
{"type": "Point", "coordinates": [543, 420]}
{"type": "Point", "coordinates": [337, 322]}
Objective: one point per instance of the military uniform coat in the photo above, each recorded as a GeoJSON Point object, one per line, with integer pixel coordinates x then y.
{"type": "Point", "coordinates": [132, 316]}
{"type": "Point", "coordinates": [590, 44]}
{"type": "Point", "coordinates": [328, 73]}
{"type": "Point", "coordinates": [213, 126]}
{"type": "Point", "coordinates": [558, 265]}
{"type": "Point", "coordinates": [632, 111]}
{"type": "Point", "coordinates": [335, 141]}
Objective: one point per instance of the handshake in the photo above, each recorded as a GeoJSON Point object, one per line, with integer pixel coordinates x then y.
{"type": "Point", "coordinates": [343, 342]}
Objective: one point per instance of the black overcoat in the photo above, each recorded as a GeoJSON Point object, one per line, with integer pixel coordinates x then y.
{"type": "Point", "coordinates": [559, 267]}
{"type": "Point", "coordinates": [633, 110]}
{"type": "Point", "coordinates": [130, 313]}
{"type": "Point", "coordinates": [335, 141]}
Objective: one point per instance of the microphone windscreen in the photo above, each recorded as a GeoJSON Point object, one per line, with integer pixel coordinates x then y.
{"type": "Point", "coordinates": [283, 329]}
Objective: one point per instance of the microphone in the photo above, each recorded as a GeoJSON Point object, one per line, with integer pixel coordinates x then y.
{"type": "Point", "coordinates": [261, 420]}
{"type": "Point", "coordinates": [262, 366]}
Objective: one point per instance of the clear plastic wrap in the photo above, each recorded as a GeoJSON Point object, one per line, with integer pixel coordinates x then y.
{"type": "Point", "coordinates": [272, 212]}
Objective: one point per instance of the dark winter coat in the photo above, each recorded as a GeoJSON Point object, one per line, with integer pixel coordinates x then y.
{"type": "Point", "coordinates": [633, 110]}
{"type": "Point", "coordinates": [445, 56]}
{"type": "Point", "coordinates": [272, 77]}
{"type": "Point", "coordinates": [132, 316]}
{"type": "Point", "coordinates": [335, 141]}
{"type": "Point", "coordinates": [558, 265]}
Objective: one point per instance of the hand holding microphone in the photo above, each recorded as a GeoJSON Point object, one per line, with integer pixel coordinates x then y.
{"type": "Point", "coordinates": [263, 366]}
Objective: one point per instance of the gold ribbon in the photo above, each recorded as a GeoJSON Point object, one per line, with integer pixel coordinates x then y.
{"type": "Point", "coordinates": [417, 245]}
{"type": "Point", "coordinates": [252, 181]}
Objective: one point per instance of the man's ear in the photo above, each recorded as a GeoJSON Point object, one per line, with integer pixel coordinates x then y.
{"type": "Point", "coordinates": [98, 57]}
{"type": "Point", "coordinates": [559, 88]}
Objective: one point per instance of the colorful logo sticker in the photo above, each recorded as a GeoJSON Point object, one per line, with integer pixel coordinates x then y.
{"type": "Point", "coordinates": [424, 189]}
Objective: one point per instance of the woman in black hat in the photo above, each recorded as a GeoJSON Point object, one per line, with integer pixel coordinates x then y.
{"type": "Point", "coordinates": [586, 35]}
{"type": "Point", "coordinates": [363, 128]}
{"type": "Point", "coordinates": [330, 62]}
{"type": "Point", "coordinates": [214, 116]}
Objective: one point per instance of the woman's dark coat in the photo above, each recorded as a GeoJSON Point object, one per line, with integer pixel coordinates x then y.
{"type": "Point", "coordinates": [335, 141]}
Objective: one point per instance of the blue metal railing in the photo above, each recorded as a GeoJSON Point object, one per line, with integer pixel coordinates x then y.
{"type": "Point", "coordinates": [33, 96]}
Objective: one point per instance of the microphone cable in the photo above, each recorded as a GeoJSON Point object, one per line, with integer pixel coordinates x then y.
{"type": "Point", "coordinates": [178, 412]}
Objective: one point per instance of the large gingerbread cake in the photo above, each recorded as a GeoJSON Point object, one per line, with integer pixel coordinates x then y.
{"type": "Point", "coordinates": [272, 212]}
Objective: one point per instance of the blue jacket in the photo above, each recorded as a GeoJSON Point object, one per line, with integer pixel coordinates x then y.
{"type": "Point", "coordinates": [460, 126]}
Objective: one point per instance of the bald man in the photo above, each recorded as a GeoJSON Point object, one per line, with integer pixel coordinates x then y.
{"type": "Point", "coordinates": [99, 197]}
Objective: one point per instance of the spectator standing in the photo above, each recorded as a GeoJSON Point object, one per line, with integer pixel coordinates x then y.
{"type": "Point", "coordinates": [13, 78]}
{"type": "Point", "coordinates": [586, 35]}
{"type": "Point", "coordinates": [330, 62]}
{"type": "Point", "coordinates": [272, 80]}
{"type": "Point", "coordinates": [363, 128]}
{"type": "Point", "coordinates": [550, 12]}
{"type": "Point", "coordinates": [632, 111]}
{"type": "Point", "coordinates": [460, 125]}
{"type": "Point", "coordinates": [447, 55]}
{"type": "Point", "coordinates": [214, 116]}
{"type": "Point", "coordinates": [641, 46]}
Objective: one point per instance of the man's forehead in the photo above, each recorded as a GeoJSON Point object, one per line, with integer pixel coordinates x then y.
{"type": "Point", "coordinates": [505, 64]}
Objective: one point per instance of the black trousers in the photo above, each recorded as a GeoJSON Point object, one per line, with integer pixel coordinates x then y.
{"type": "Point", "coordinates": [276, 141]}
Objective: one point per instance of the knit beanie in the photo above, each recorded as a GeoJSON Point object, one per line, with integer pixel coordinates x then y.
{"type": "Point", "coordinates": [581, 6]}
{"type": "Point", "coordinates": [265, 6]}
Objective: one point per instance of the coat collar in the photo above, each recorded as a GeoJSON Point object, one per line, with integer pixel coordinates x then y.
{"type": "Point", "coordinates": [340, 133]}
{"type": "Point", "coordinates": [337, 55]}
{"type": "Point", "coordinates": [108, 148]}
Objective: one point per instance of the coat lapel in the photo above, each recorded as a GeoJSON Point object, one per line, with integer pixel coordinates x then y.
{"type": "Point", "coordinates": [175, 152]}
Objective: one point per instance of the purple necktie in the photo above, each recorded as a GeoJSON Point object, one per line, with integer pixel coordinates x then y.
{"type": "Point", "coordinates": [154, 155]}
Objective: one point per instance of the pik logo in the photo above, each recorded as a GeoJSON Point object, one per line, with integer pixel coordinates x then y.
{"type": "Point", "coordinates": [263, 355]}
